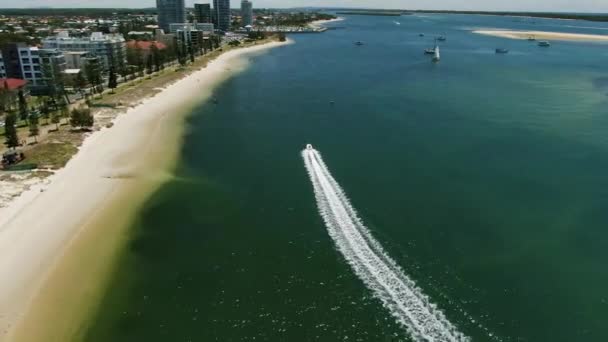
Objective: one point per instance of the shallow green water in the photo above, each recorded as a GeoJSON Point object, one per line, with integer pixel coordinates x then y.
{"type": "Point", "coordinates": [482, 176]}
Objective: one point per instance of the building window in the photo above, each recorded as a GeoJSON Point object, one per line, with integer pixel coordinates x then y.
{"type": "Point", "coordinates": [27, 68]}
{"type": "Point", "coordinates": [34, 53]}
{"type": "Point", "coordinates": [37, 67]}
{"type": "Point", "coordinates": [25, 60]}
{"type": "Point", "coordinates": [36, 60]}
{"type": "Point", "coordinates": [28, 75]}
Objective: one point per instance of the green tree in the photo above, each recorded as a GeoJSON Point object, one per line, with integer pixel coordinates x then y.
{"type": "Point", "coordinates": [54, 81]}
{"type": "Point", "coordinates": [80, 84]}
{"type": "Point", "coordinates": [10, 131]}
{"type": "Point", "coordinates": [56, 119]}
{"type": "Point", "coordinates": [149, 65]}
{"type": "Point", "coordinates": [34, 129]}
{"type": "Point", "coordinates": [82, 117]}
{"type": "Point", "coordinates": [23, 109]}
{"type": "Point", "coordinates": [119, 62]}
{"type": "Point", "coordinates": [156, 56]}
{"type": "Point", "coordinates": [92, 71]}
{"type": "Point", "coordinates": [45, 111]}
{"type": "Point", "coordinates": [191, 52]}
{"type": "Point", "coordinates": [112, 81]}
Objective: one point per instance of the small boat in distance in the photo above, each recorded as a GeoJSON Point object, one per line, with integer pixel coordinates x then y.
{"type": "Point", "coordinates": [544, 43]}
{"type": "Point", "coordinates": [358, 43]}
{"type": "Point", "coordinates": [429, 51]}
{"type": "Point", "coordinates": [308, 146]}
{"type": "Point", "coordinates": [502, 50]}
{"type": "Point", "coordinates": [421, 35]}
{"type": "Point", "coordinates": [531, 38]}
{"type": "Point", "coordinates": [441, 38]}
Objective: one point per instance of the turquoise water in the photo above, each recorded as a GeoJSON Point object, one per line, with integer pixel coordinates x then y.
{"type": "Point", "coordinates": [483, 177]}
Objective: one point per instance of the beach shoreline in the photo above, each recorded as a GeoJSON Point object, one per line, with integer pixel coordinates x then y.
{"type": "Point", "coordinates": [58, 239]}
{"type": "Point", "coordinates": [544, 35]}
{"type": "Point", "coordinates": [321, 23]}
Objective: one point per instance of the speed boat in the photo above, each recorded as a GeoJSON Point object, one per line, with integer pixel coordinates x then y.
{"type": "Point", "coordinates": [429, 51]}
{"type": "Point", "coordinates": [502, 50]}
{"type": "Point", "coordinates": [437, 57]}
{"type": "Point", "coordinates": [544, 43]}
{"type": "Point", "coordinates": [441, 38]}
{"type": "Point", "coordinates": [309, 147]}
{"type": "Point", "coordinates": [359, 43]}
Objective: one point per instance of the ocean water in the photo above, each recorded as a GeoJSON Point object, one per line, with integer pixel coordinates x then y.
{"type": "Point", "coordinates": [461, 200]}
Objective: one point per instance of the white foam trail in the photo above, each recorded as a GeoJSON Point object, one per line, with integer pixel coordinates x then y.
{"type": "Point", "coordinates": [387, 281]}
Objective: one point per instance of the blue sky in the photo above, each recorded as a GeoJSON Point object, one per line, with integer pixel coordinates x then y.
{"type": "Point", "coordinates": [513, 5]}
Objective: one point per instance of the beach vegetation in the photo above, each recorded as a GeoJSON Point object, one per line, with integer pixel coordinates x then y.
{"type": "Point", "coordinates": [92, 71]}
{"type": "Point", "coordinates": [80, 84]}
{"type": "Point", "coordinates": [33, 126]}
{"type": "Point", "coordinates": [23, 109]}
{"type": "Point", "coordinates": [56, 119]}
{"type": "Point", "coordinates": [10, 131]}
{"type": "Point", "coordinates": [112, 79]}
{"type": "Point", "coordinates": [54, 81]}
{"type": "Point", "coordinates": [82, 118]}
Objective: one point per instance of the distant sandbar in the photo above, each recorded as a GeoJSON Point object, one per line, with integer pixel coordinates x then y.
{"type": "Point", "coordinates": [543, 35]}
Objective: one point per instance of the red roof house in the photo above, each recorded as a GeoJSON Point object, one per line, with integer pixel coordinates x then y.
{"type": "Point", "coordinates": [144, 45]}
{"type": "Point", "coordinates": [13, 84]}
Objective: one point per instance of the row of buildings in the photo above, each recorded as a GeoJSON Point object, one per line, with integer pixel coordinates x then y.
{"type": "Point", "coordinates": [59, 54]}
{"type": "Point", "coordinates": [174, 12]}
{"type": "Point", "coordinates": [68, 54]}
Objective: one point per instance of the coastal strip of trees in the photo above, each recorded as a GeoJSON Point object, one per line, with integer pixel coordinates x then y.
{"type": "Point", "coordinates": [548, 15]}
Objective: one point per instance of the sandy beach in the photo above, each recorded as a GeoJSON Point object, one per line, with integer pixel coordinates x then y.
{"type": "Point", "coordinates": [543, 35]}
{"type": "Point", "coordinates": [320, 23]}
{"type": "Point", "coordinates": [58, 239]}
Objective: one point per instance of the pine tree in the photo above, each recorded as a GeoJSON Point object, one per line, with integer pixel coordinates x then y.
{"type": "Point", "coordinates": [34, 129]}
{"type": "Point", "coordinates": [156, 56]}
{"type": "Point", "coordinates": [23, 110]}
{"type": "Point", "coordinates": [112, 81]}
{"type": "Point", "coordinates": [93, 73]}
{"type": "Point", "coordinates": [149, 65]}
{"type": "Point", "coordinates": [81, 84]}
{"type": "Point", "coordinates": [10, 131]}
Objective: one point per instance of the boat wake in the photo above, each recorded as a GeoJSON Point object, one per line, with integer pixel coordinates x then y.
{"type": "Point", "coordinates": [380, 273]}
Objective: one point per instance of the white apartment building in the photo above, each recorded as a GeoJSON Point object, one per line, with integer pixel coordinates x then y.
{"type": "Point", "coordinates": [28, 63]}
{"type": "Point", "coordinates": [103, 46]}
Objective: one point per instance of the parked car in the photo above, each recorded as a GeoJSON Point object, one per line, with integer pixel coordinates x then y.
{"type": "Point", "coordinates": [12, 157]}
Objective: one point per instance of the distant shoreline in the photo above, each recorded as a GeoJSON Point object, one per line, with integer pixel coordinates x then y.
{"type": "Point", "coordinates": [599, 17]}
{"type": "Point", "coordinates": [540, 35]}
